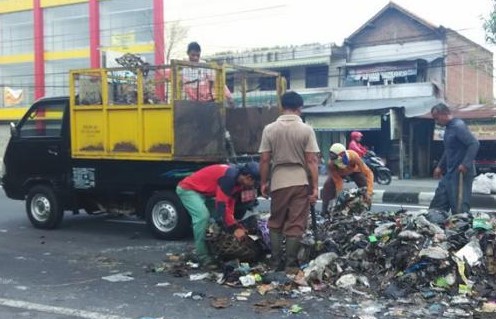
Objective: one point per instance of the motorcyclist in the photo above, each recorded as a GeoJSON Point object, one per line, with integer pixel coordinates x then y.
{"type": "Point", "coordinates": [356, 145]}
{"type": "Point", "coordinates": [344, 163]}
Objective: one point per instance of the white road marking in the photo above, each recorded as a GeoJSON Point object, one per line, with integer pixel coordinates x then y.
{"type": "Point", "coordinates": [56, 310]}
{"type": "Point", "coordinates": [427, 207]}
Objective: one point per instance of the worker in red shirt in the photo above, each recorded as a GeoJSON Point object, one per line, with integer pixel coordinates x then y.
{"type": "Point", "coordinates": [356, 145]}
{"type": "Point", "coordinates": [224, 183]}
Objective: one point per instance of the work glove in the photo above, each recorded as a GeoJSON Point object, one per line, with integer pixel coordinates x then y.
{"type": "Point", "coordinates": [367, 199]}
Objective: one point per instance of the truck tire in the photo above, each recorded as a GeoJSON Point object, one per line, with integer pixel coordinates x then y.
{"type": "Point", "coordinates": [166, 217]}
{"type": "Point", "coordinates": [43, 207]}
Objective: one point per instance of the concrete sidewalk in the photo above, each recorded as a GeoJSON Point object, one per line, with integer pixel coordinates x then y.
{"type": "Point", "coordinates": [416, 192]}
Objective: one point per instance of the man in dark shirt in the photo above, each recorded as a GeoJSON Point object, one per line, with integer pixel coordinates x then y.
{"type": "Point", "coordinates": [460, 149]}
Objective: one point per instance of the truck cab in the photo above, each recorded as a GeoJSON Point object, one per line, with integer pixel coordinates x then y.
{"type": "Point", "coordinates": [124, 138]}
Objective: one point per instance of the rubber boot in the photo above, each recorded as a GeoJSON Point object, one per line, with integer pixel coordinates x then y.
{"type": "Point", "coordinates": [292, 249]}
{"type": "Point", "coordinates": [276, 239]}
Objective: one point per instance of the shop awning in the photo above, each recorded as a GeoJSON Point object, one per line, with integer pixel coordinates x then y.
{"type": "Point", "coordinates": [343, 122]}
{"type": "Point", "coordinates": [413, 107]}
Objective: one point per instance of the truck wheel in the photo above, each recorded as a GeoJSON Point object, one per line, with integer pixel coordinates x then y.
{"type": "Point", "coordinates": [166, 216]}
{"type": "Point", "coordinates": [43, 207]}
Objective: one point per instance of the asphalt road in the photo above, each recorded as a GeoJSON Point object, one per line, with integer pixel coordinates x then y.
{"type": "Point", "coordinates": [58, 273]}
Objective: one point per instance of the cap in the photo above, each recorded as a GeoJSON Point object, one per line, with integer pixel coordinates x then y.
{"type": "Point", "coordinates": [252, 169]}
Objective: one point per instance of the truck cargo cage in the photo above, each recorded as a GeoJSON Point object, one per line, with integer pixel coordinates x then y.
{"type": "Point", "coordinates": [181, 111]}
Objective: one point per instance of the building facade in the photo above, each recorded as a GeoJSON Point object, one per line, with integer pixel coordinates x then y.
{"type": "Point", "coordinates": [41, 40]}
{"type": "Point", "coordinates": [383, 81]}
{"type": "Point", "coordinates": [396, 68]}
{"type": "Point", "coordinates": [306, 68]}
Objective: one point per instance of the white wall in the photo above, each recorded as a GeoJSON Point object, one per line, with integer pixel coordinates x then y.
{"type": "Point", "coordinates": [4, 139]}
{"type": "Point", "coordinates": [427, 50]}
{"type": "Point", "coordinates": [404, 90]}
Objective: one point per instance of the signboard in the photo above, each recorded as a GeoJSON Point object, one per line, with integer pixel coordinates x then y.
{"type": "Point", "coordinates": [344, 122]}
{"type": "Point", "coordinates": [375, 73]}
{"type": "Point", "coordinates": [483, 129]}
{"type": "Point", "coordinates": [12, 97]}
{"type": "Point", "coordinates": [123, 40]}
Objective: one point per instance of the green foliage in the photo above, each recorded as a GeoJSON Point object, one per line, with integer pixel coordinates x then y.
{"type": "Point", "coordinates": [489, 25]}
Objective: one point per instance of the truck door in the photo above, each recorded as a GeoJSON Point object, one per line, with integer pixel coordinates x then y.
{"type": "Point", "coordinates": [41, 146]}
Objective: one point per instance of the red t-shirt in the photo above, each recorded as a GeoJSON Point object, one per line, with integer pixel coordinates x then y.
{"type": "Point", "coordinates": [217, 181]}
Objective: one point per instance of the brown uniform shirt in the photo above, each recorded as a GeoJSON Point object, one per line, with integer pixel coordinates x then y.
{"type": "Point", "coordinates": [288, 139]}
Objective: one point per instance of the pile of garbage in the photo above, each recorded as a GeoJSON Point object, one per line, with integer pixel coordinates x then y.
{"type": "Point", "coordinates": [445, 261]}
{"type": "Point", "coordinates": [397, 254]}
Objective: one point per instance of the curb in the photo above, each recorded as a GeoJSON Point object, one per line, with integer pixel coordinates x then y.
{"type": "Point", "coordinates": [425, 198]}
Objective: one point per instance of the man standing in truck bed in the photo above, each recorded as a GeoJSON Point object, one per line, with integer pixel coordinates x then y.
{"type": "Point", "coordinates": [292, 147]}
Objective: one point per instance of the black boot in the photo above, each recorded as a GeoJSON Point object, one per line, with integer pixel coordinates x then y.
{"type": "Point", "coordinates": [276, 239]}
{"type": "Point", "coordinates": [292, 249]}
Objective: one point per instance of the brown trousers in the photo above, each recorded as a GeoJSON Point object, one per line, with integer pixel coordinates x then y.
{"type": "Point", "coordinates": [289, 210]}
{"type": "Point", "coordinates": [329, 189]}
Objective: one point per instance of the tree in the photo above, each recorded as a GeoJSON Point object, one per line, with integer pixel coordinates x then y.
{"type": "Point", "coordinates": [176, 35]}
{"type": "Point", "coordinates": [490, 25]}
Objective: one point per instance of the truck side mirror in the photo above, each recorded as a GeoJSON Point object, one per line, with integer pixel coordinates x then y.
{"type": "Point", "coordinates": [13, 130]}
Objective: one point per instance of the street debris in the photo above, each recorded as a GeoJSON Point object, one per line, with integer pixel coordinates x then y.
{"type": "Point", "coordinates": [190, 295]}
{"type": "Point", "coordinates": [220, 303]}
{"type": "Point", "coordinates": [121, 277]}
{"type": "Point", "coordinates": [202, 276]}
{"type": "Point", "coordinates": [163, 284]}
{"type": "Point", "coordinates": [366, 264]}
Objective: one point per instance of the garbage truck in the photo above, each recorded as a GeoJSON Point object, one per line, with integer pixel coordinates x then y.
{"type": "Point", "coordinates": [124, 137]}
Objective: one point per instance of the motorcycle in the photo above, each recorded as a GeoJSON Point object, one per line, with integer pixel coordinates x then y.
{"type": "Point", "coordinates": [382, 174]}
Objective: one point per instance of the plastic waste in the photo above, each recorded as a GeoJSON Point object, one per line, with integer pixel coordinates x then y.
{"type": "Point", "coordinates": [196, 277]}
{"type": "Point", "coordinates": [471, 252]}
{"type": "Point", "coordinates": [384, 229]}
{"type": "Point", "coordinates": [248, 280]}
{"type": "Point", "coordinates": [437, 217]}
{"type": "Point", "coordinates": [434, 253]}
{"type": "Point", "coordinates": [482, 221]}
{"type": "Point", "coordinates": [122, 277]}
{"type": "Point", "coordinates": [429, 227]}
{"type": "Point", "coordinates": [316, 267]}
{"type": "Point", "coordinates": [295, 309]}
{"type": "Point", "coordinates": [410, 235]}
{"type": "Point", "coordinates": [346, 281]}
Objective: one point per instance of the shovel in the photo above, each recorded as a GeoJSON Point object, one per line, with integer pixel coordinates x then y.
{"type": "Point", "coordinates": [313, 214]}
{"type": "Point", "coordinates": [459, 203]}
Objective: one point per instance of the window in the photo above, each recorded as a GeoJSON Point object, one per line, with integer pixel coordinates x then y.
{"type": "Point", "coordinates": [16, 33]}
{"type": "Point", "coordinates": [269, 83]}
{"type": "Point", "coordinates": [45, 120]}
{"type": "Point", "coordinates": [18, 84]}
{"type": "Point", "coordinates": [126, 22]}
{"type": "Point", "coordinates": [316, 76]}
{"type": "Point", "coordinates": [66, 27]}
{"type": "Point", "coordinates": [57, 75]}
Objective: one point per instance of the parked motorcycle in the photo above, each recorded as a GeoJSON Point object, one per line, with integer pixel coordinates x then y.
{"type": "Point", "coordinates": [382, 174]}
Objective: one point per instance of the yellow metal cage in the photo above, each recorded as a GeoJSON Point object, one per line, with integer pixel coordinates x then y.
{"type": "Point", "coordinates": [167, 112]}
